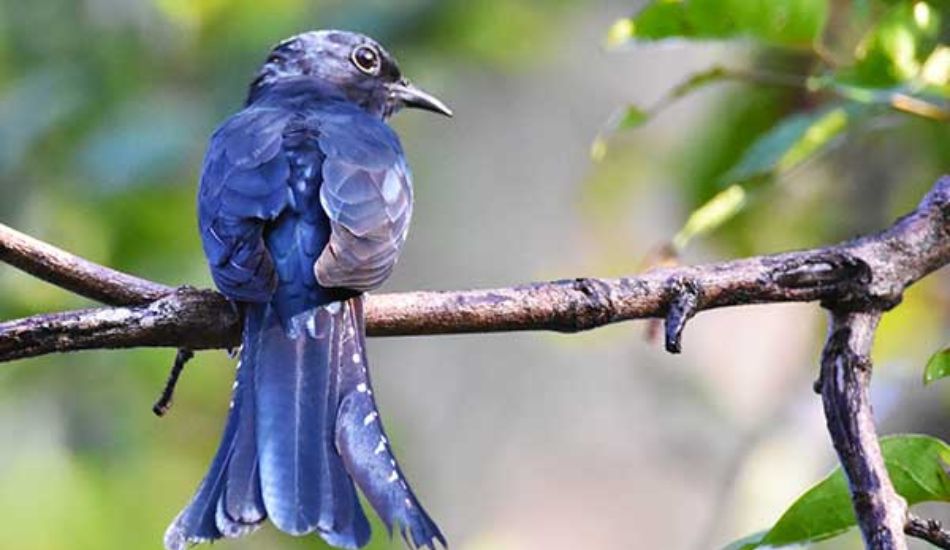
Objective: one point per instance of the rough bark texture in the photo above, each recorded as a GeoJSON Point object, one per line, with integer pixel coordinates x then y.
{"type": "Point", "coordinates": [929, 530]}
{"type": "Point", "coordinates": [856, 281]}
{"type": "Point", "coordinates": [843, 384]}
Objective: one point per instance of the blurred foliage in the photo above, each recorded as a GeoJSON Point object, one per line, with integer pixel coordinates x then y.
{"type": "Point", "coordinates": [900, 64]}
{"type": "Point", "coordinates": [916, 465]}
{"type": "Point", "coordinates": [826, 83]}
{"type": "Point", "coordinates": [783, 22]}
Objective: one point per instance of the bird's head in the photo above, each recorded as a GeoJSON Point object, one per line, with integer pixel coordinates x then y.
{"type": "Point", "coordinates": [343, 65]}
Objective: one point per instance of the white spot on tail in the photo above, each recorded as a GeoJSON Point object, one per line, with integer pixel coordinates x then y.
{"type": "Point", "coordinates": [357, 358]}
{"type": "Point", "coordinates": [393, 476]}
{"type": "Point", "coordinates": [368, 419]}
{"type": "Point", "coordinates": [381, 447]}
{"type": "Point", "coordinates": [361, 388]}
{"type": "Point", "coordinates": [312, 326]}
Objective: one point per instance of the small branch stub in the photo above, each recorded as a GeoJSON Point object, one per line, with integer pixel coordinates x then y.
{"type": "Point", "coordinates": [168, 393]}
{"type": "Point", "coordinates": [683, 306]}
{"type": "Point", "coordinates": [929, 530]}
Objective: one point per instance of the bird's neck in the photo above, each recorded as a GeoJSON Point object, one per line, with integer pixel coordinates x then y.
{"type": "Point", "coordinates": [304, 92]}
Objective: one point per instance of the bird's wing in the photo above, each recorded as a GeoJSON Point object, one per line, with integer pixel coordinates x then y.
{"type": "Point", "coordinates": [367, 194]}
{"type": "Point", "coordinates": [243, 185]}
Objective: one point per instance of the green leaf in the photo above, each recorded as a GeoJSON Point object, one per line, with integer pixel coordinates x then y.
{"type": "Point", "coordinates": [917, 466]}
{"type": "Point", "coordinates": [715, 212]}
{"type": "Point", "coordinates": [938, 366]}
{"type": "Point", "coordinates": [789, 143]}
{"type": "Point", "coordinates": [780, 22]}
{"type": "Point", "coordinates": [895, 50]}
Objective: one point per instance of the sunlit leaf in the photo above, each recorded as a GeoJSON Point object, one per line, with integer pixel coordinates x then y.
{"type": "Point", "coordinates": [938, 366]}
{"type": "Point", "coordinates": [781, 22]}
{"type": "Point", "coordinates": [789, 143]}
{"type": "Point", "coordinates": [917, 467]}
{"type": "Point", "coordinates": [897, 47]}
{"type": "Point", "coordinates": [711, 215]}
{"type": "Point", "coordinates": [936, 70]}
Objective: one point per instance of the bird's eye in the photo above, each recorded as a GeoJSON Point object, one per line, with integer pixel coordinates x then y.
{"type": "Point", "coordinates": [366, 59]}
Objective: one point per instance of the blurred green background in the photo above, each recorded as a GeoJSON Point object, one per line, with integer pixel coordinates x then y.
{"type": "Point", "coordinates": [512, 441]}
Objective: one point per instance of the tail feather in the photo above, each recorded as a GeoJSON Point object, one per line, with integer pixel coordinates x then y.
{"type": "Point", "coordinates": [241, 505]}
{"type": "Point", "coordinates": [304, 485]}
{"type": "Point", "coordinates": [302, 428]}
{"type": "Point", "coordinates": [290, 391]}
{"type": "Point", "coordinates": [198, 522]}
{"type": "Point", "coordinates": [365, 449]}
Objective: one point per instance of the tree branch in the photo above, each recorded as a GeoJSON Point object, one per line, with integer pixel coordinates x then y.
{"type": "Point", "coordinates": [855, 280]}
{"type": "Point", "coordinates": [73, 273]}
{"type": "Point", "coordinates": [929, 530]}
{"type": "Point", "coordinates": [871, 271]}
{"type": "Point", "coordinates": [843, 383]}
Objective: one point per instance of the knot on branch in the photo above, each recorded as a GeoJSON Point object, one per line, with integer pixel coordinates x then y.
{"type": "Point", "coordinates": [684, 297]}
{"type": "Point", "coordinates": [833, 271]}
{"type": "Point", "coordinates": [595, 308]}
{"type": "Point", "coordinates": [843, 281]}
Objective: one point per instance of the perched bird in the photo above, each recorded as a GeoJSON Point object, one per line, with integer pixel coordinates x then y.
{"type": "Point", "coordinates": [304, 204]}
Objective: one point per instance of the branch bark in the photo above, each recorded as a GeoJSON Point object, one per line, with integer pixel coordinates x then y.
{"type": "Point", "coordinates": [843, 383]}
{"type": "Point", "coordinates": [929, 530]}
{"type": "Point", "coordinates": [868, 272]}
{"type": "Point", "coordinates": [855, 280]}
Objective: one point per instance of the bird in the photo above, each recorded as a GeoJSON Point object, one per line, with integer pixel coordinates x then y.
{"type": "Point", "coordinates": [304, 203]}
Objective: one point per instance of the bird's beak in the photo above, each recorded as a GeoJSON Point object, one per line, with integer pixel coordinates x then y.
{"type": "Point", "coordinates": [410, 96]}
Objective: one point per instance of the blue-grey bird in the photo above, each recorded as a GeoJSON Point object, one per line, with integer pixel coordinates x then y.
{"type": "Point", "coordinates": [304, 204]}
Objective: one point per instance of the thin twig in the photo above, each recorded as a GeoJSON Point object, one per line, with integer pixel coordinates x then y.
{"type": "Point", "coordinates": [929, 530]}
{"type": "Point", "coordinates": [168, 393]}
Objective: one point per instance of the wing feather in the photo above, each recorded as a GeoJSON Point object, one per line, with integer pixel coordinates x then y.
{"type": "Point", "coordinates": [243, 185]}
{"type": "Point", "coordinates": [367, 194]}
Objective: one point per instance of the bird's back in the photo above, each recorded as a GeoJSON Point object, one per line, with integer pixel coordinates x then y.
{"type": "Point", "coordinates": [264, 224]}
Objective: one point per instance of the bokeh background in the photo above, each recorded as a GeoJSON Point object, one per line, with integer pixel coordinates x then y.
{"type": "Point", "coordinates": [513, 441]}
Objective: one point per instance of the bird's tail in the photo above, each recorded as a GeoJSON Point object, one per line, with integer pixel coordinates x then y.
{"type": "Point", "coordinates": [302, 427]}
